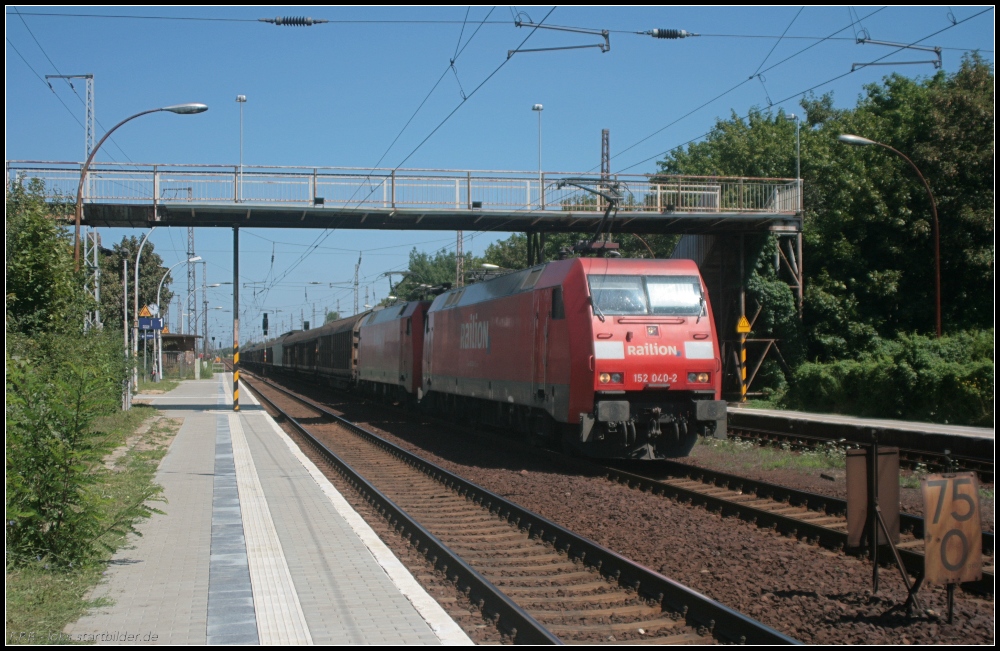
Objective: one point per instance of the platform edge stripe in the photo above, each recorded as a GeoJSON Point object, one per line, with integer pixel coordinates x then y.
{"type": "Point", "coordinates": [227, 398]}
{"type": "Point", "coordinates": [280, 619]}
{"type": "Point", "coordinates": [439, 621]}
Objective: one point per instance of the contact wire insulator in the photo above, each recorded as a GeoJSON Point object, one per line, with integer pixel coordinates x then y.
{"type": "Point", "coordinates": [669, 33]}
{"type": "Point", "coordinates": [294, 21]}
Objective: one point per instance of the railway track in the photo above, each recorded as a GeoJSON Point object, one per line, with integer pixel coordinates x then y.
{"type": "Point", "coordinates": [809, 516]}
{"type": "Point", "coordinates": [818, 518]}
{"type": "Point", "coordinates": [539, 582]}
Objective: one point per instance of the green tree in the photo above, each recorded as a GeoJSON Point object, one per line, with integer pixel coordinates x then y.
{"type": "Point", "coordinates": [331, 316]}
{"type": "Point", "coordinates": [59, 379]}
{"type": "Point", "coordinates": [43, 290]}
{"type": "Point", "coordinates": [428, 272]}
{"type": "Point", "coordinates": [868, 229]}
{"type": "Point", "coordinates": [512, 253]}
{"type": "Point", "coordinates": [151, 270]}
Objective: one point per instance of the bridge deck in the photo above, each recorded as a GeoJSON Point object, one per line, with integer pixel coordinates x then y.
{"type": "Point", "coordinates": [142, 195]}
{"type": "Point", "coordinates": [550, 221]}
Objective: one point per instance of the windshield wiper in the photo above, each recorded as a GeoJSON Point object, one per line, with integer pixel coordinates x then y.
{"type": "Point", "coordinates": [597, 310]}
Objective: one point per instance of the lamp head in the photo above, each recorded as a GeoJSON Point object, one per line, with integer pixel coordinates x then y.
{"type": "Point", "coordinates": [855, 140]}
{"type": "Point", "coordinates": [537, 107]}
{"type": "Point", "coordinates": [186, 109]}
{"type": "Point", "coordinates": [194, 259]}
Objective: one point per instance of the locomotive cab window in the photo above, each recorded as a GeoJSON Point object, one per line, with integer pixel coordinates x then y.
{"type": "Point", "coordinates": [675, 295]}
{"type": "Point", "coordinates": [657, 295]}
{"type": "Point", "coordinates": [558, 309]}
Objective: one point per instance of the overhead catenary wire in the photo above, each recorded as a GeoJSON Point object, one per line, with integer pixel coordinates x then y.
{"type": "Point", "coordinates": [811, 88]}
{"type": "Point", "coordinates": [430, 135]}
{"type": "Point", "coordinates": [59, 72]}
{"type": "Point", "coordinates": [776, 43]}
{"type": "Point", "coordinates": [68, 109]}
{"type": "Point", "coordinates": [420, 22]}
{"type": "Point", "coordinates": [723, 94]}
{"type": "Point", "coordinates": [345, 289]}
{"type": "Point", "coordinates": [322, 237]}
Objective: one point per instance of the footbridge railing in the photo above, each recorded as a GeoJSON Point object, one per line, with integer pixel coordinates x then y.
{"type": "Point", "coordinates": [427, 189]}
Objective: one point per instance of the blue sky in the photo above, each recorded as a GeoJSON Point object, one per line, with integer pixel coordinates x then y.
{"type": "Point", "coordinates": [337, 94]}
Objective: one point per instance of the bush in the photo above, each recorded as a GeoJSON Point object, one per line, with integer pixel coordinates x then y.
{"type": "Point", "coordinates": [947, 380]}
{"type": "Point", "coordinates": [56, 387]}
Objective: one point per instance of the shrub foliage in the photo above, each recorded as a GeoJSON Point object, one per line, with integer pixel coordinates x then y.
{"type": "Point", "coordinates": [59, 380]}
{"type": "Point", "coordinates": [914, 377]}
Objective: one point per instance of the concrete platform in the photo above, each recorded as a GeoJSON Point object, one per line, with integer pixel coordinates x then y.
{"type": "Point", "coordinates": [976, 442]}
{"type": "Point", "coordinates": [255, 547]}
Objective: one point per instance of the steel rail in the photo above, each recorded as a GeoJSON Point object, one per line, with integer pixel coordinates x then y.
{"type": "Point", "coordinates": [698, 610]}
{"type": "Point", "coordinates": [825, 536]}
{"type": "Point", "coordinates": [522, 627]}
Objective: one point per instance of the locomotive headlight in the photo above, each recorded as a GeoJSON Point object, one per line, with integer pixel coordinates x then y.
{"type": "Point", "coordinates": [698, 377]}
{"type": "Point", "coordinates": [604, 378]}
{"type": "Point", "coordinates": [616, 378]}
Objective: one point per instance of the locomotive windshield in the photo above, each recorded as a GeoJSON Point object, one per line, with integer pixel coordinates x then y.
{"type": "Point", "coordinates": [657, 295]}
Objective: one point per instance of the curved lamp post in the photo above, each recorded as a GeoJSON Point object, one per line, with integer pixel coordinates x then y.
{"type": "Point", "coordinates": [864, 142]}
{"type": "Point", "coordinates": [159, 357]}
{"type": "Point", "coordinates": [135, 312]}
{"type": "Point", "coordinates": [182, 109]}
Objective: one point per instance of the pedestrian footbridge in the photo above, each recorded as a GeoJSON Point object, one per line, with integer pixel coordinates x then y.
{"type": "Point", "coordinates": [143, 195]}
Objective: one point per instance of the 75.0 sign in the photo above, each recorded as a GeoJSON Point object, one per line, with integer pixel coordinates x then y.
{"type": "Point", "coordinates": [953, 530]}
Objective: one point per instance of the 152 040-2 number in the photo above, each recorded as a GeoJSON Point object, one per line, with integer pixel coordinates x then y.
{"type": "Point", "coordinates": [654, 378]}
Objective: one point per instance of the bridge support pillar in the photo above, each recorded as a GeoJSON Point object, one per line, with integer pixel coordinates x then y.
{"type": "Point", "coordinates": [536, 248]}
{"type": "Point", "coordinates": [236, 318]}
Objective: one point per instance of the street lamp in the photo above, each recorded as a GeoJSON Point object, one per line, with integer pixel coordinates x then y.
{"type": "Point", "coordinates": [181, 109]}
{"type": "Point", "coordinates": [135, 312]}
{"type": "Point", "coordinates": [194, 291]}
{"type": "Point", "coordinates": [241, 99]}
{"type": "Point", "coordinates": [159, 358]}
{"type": "Point", "coordinates": [864, 142]}
{"type": "Point", "coordinates": [538, 108]}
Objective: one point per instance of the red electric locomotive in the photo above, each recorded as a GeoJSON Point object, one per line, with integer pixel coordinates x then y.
{"type": "Point", "coordinates": [612, 357]}
{"type": "Point", "coordinates": [390, 348]}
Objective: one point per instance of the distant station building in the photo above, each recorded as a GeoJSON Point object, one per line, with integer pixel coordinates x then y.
{"type": "Point", "coordinates": [180, 353]}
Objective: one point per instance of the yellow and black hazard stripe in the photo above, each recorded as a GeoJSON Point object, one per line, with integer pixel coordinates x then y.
{"type": "Point", "coordinates": [236, 377]}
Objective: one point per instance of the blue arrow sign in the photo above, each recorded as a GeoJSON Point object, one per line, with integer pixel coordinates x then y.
{"type": "Point", "coordinates": [149, 323]}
